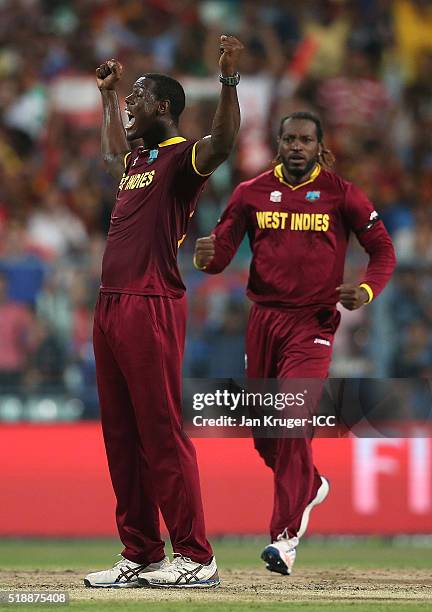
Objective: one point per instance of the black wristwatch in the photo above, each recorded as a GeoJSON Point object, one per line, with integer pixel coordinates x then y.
{"type": "Point", "coordinates": [231, 81]}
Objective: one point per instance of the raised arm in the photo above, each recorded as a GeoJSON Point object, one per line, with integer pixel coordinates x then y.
{"type": "Point", "coordinates": [211, 152]}
{"type": "Point", "coordinates": [113, 137]}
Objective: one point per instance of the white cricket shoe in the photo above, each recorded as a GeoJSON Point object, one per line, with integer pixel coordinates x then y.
{"type": "Point", "coordinates": [280, 555]}
{"type": "Point", "coordinates": [322, 493]}
{"type": "Point", "coordinates": [124, 574]}
{"type": "Point", "coordinates": [182, 573]}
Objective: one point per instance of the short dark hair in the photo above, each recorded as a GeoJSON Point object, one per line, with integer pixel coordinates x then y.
{"type": "Point", "coordinates": [306, 116]}
{"type": "Point", "coordinates": [167, 88]}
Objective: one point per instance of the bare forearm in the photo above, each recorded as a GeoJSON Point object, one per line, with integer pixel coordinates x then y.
{"type": "Point", "coordinates": [226, 122]}
{"type": "Point", "coordinates": [210, 152]}
{"type": "Point", "coordinates": [113, 138]}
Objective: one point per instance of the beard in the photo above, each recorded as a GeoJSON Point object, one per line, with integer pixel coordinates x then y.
{"type": "Point", "coordinates": [299, 172]}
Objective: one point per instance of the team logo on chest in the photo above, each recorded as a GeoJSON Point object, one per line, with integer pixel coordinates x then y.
{"type": "Point", "coordinates": [153, 155]}
{"type": "Point", "coordinates": [313, 196]}
{"type": "Point", "coordinates": [276, 196]}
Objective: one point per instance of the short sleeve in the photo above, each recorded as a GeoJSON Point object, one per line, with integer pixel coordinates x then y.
{"type": "Point", "coordinates": [188, 182]}
{"type": "Point", "coordinates": [126, 159]}
{"type": "Point", "coordinates": [186, 165]}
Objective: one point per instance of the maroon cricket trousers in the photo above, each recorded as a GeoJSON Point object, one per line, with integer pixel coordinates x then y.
{"type": "Point", "coordinates": [138, 344]}
{"type": "Point", "coordinates": [281, 344]}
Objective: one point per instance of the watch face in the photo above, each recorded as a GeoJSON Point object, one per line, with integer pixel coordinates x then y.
{"type": "Point", "coordinates": [230, 80]}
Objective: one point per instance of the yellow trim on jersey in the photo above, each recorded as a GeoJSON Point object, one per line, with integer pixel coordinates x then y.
{"type": "Point", "coordinates": [279, 175]}
{"type": "Point", "coordinates": [194, 162]}
{"type": "Point", "coordinates": [125, 158]}
{"type": "Point", "coordinates": [171, 141]}
{"type": "Point", "coordinates": [183, 238]}
{"type": "Point", "coordinates": [368, 291]}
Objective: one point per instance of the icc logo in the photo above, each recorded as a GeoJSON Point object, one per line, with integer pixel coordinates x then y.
{"type": "Point", "coordinates": [276, 196]}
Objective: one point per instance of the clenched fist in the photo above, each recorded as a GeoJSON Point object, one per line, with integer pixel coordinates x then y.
{"type": "Point", "coordinates": [108, 74]}
{"type": "Point", "coordinates": [231, 49]}
{"type": "Point", "coordinates": [204, 251]}
{"type": "Point", "coordinates": [352, 296]}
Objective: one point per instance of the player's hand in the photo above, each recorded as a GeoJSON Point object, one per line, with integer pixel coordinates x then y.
{"type": "Point", "coordinates": [204, 251]}
{"type": "Point", "coordinates": [231, 49]}
{"type": "Point", "coordinates": [352, 296]}
{"type": "Point", "coordinates": [108, 75]}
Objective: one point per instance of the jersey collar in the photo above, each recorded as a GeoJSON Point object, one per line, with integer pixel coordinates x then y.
{"type": "Point", "coordinates": [279, 175]}
{"type": "Point", "coordinates": [171, 141]}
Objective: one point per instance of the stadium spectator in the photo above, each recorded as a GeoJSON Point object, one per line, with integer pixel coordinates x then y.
{"type": "Point", "coordinates": [53, 229]}
{"type": "Point", "coordinates": [356, 104]}
{"type": "Point", "coordinates": [49, 139]}
{"type": "Point", "coordinates": [413, 33]}
{"type": "Point", "coordinates": [24, 270]}
{"type": "Point", "coordinates": [15, 327]}
{"type": "Point", "coordinates": [226, 343]}
{"type": "Point", "coordinates": [328, 24]}
{"type": "Point", "coordinates": [415, 350]}
{"type": "Point", "coordinates": [46, 360]}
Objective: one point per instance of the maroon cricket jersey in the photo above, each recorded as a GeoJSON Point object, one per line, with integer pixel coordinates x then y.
{"type": "Point", "coordinates": [299, 236]}
{"type": "Point", "coordinates": [155, 200]}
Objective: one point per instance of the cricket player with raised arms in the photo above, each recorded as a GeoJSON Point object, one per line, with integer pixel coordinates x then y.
{"type": "Point", "coordinates": [140, 318]}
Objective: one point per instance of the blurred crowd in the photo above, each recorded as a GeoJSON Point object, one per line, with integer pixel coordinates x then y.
{"type": "Point", "coordinates": [363, 65]}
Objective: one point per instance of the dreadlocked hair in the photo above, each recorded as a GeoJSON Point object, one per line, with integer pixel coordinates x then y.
{"type": "Point", "coordinates": [326, 157]}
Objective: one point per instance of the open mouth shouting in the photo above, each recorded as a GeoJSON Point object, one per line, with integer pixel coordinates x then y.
{"type": "Point", "coordinates": [131, 121]}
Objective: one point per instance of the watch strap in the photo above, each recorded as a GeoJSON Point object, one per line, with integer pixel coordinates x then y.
{"type": "Point", "coordinates": [231, 81]}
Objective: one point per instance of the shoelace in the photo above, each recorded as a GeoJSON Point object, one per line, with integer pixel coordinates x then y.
{"type": "Point", "coordinates": [122, 562]}
{"type": "Point", "coordinates": [179, 559]}
{"type": "Point", "coordinates": [290, 542]}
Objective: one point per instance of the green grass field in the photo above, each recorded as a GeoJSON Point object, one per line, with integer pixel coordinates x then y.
{"type": "Point", "coordinates": [230, 552]}
{"type": "Point", "coordinates": [341, 575]}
